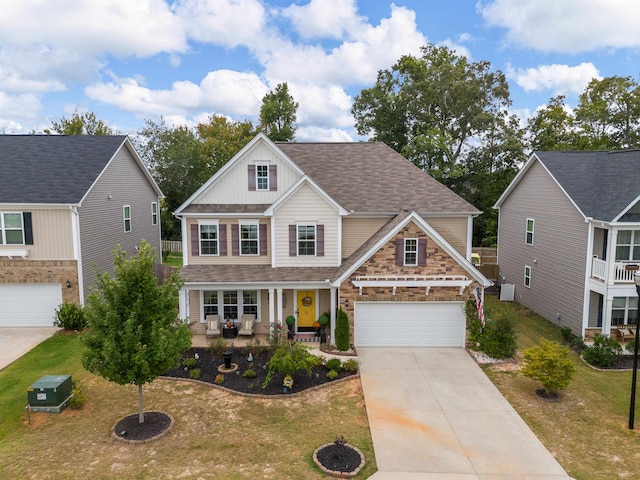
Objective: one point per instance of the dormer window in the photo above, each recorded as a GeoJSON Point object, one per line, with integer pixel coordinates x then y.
{"type": "Point", "coordinates": [262, 177]}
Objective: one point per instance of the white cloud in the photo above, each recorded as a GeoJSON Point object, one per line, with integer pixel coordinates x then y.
{"type": "Point", "coordinates": [325, 18]}
{"type": "Point", "coordinates": [24, 106]}
{"type": "Point", "coordinates": [322, 134]}
{"type": "Point", "coordinates": [560, 79]}
{"type": "Point", "coordinates": [569, 26]}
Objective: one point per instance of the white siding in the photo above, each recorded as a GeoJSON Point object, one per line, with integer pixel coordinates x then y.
{"type": "Point", "coordinates": [233, 187]}
{"type": "Point", "coordinates": [306, 205]}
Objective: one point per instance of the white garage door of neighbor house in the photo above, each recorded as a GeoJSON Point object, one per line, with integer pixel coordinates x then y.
{"type": "Point", "coordinates": [29, 305]}
{"type": "Point", "coordinates": [409, 324]}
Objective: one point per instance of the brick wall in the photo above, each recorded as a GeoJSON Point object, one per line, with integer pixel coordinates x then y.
{"type": "Point", "coordinates": [43, 271]}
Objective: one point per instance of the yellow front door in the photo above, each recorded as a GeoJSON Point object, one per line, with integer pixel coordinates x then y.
{"type": "Point", "coordinates": [306, 308]}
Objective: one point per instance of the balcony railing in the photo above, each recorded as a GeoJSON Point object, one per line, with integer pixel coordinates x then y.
{"type": "Point", "coordinates": [622, 273]}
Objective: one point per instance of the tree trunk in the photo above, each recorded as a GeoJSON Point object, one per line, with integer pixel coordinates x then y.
{"type": "Point", "coordinates": [140, 407]}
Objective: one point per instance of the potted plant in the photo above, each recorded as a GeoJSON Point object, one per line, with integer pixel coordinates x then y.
{"type": "Point", "coordinates": [290, 321]}
{"type": "Point", "coordinates": [323, 321]}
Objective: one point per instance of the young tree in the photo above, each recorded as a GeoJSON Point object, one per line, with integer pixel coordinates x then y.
{"type": "Point", "coordinates": [134, 332]}
{"type": "Point", "coordinates": [342, 331]}
{"type": "Point", "coordinates": [278, 114]}
{"type": "Point", "coordinates": [80, 124]}
{"type": "Point", "coordinates": [549, 363]}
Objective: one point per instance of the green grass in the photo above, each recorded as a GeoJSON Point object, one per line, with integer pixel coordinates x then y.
{"type": "Point", "coordinates": [587, 429]}
{"type": "Point", "coordinates": [173, 260]}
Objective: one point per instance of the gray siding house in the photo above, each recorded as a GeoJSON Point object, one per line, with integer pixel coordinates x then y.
{"type": "Point", "coordinates": [65, 203]}
{"type": "Point", "coordinates": [569, 238]}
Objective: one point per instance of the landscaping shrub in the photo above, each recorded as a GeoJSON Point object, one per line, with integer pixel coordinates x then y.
{"type": "Point", "coordinates": [189, 362]}
{"type": "Point", "coordinates": [331, 374]}
{"type": "Point", "coordinates": [567, 336]}
{"type": "Point", "coordinates": [289, 358]}
{"type": "Point", "coordinates": [577, 343]}
{"type": "Point", "coordinates": [275, 337]}
{"type": "Point", "coordinates": [249, 373]}
{"type": "Point", "coordinates": [70, 316]}
{"type": "Point", "coordinates": [342, 331]}
{"type": "Point", "coordinates": [350, 365]}
{"type": "Point", "coordinates": [333, 364]}
{"type": "Point", "coordinates": [474, 326]}
{"type": "Point", "coordinates": [498, 339]}
{"type": "Point", "coordinates": [219, 380]}
{"type": "Point", "coordinates": [218, 346]}
{"type": "Point", "coordinates": [549, 363]}
{"type": "Point", "coordinates": [630, 346]}
{"type": "Point", "coordinates": [78, 397]}
{"type": "Point", "coordinates": [195, 373]}
{"type": "Point", "coordinates": [603, 352]}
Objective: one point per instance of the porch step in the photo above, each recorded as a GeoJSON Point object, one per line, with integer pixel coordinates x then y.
{"type": "Point", "coordinates": [306, 337]}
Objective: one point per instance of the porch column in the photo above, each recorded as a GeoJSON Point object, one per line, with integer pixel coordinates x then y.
{"type": "Point", "coordinates": [606, 315]}
{"type": "Point", "coordinates": [272, 306]}
{"type": "Point", "coordinates": [611, 259]}
{"type": "Point", "coordinates": [334, 306]}
{"type": "Point", "coordinates": [279, 306]}
{"type": "Point", "coordinates": [183, 303]}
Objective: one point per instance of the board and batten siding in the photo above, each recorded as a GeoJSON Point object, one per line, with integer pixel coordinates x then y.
{"type": "Point", "coordinates": [306, 205]}
{"type": "Point", "coordinates": [229, 258]}
{"type": "Point", "coordinates": [557, 256]}
{"type": "Point", "coordinates": [233, 186]}
{"type": "Point", "coordinates": [357, 230]}
{"type": "Point", "coordinates": [101, 220]}
{"type": "Point", "coordinates": [453, 229]}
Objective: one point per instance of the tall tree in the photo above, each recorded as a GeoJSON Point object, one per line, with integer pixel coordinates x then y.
{"type": "Point", "coordinates": [80, 124]}
{"type": "Point", "coordinates": [553, 127]}
{"type": "Point", "coordinates": [222, 139]}
{"type": "Point", "coordinates": [134, 332]}
{"type": "Point", "coordinates": [278, 114]}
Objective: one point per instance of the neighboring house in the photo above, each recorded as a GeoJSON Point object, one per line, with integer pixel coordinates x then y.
{"type": "Point", "coordinates": [305, 228]}
{"type": "Point", "coordinates": [65, 203]}
{"type": "Point", "coordinates": [569, 229]}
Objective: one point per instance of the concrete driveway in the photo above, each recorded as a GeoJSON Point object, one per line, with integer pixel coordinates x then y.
{"type": "Point", "coordinates": [15, 342]}
{"type": "Point", "coordinates": [435, 415]}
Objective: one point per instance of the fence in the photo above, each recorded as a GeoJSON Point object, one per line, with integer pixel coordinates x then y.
{"type": "Point", "coordinates": [172, 245]}
{"type": "Point", "coordinates": [488, 255]}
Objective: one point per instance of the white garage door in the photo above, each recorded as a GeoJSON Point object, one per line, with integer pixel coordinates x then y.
{"type": "Point", "coordinates": [409, 324]}
{"type": "Point", "coordinates": [30, 305]}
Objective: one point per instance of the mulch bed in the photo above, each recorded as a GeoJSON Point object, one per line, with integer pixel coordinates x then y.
{"type": "Point", "coordinates": [339, 457]}
{"type": "Point", "coordinates": [130, 429]}
{"type": "Point", "coordinates": [208, 364]}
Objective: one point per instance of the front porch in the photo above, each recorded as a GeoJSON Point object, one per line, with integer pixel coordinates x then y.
{"type": "Point", "coordinates": [201, 341]}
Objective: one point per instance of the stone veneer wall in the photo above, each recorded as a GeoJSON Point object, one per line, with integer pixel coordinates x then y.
{"type": "Point", "coordinates": [43, 271]}
{"type": "Point", "coordinates": [383, 263]}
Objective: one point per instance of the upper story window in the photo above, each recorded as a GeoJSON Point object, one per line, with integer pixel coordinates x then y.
{"type": "Point", "coordinates": [529, 234]}
{"type": "Point", "coordinates": [306, 239]}
{"type": "Point", "coordinates": [411, 252]}
{"type": "Point", "coordinates": [527, 276]}
{"type": "Point", "coordinates": [154, 213]}
{"type": "Point", "coordinates": [209, 239]}
{"type": "Point", "coordinates": [11, 229]}
{"type": "Point", "coordinates": [262, 177]}
{"type": "Point", "coordinates": [249, 239]}
{"type": "Point", "coordinates": [126, 216]}
{"type": "Point", "coordinates": [628, 245]}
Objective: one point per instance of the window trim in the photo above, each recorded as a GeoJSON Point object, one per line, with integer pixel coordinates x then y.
{"type": "Point", "coordinates": [266, 177]}
{"type": "Point", "coordinates": [315, 239]}
{"type": "Point", "coordinates": [529, 232]}
{"type": "Point", "coordinates": [249, 223]}
{"type": "Point", "coordinates": [215, 223]}
{"type": "Point", "coordinates": [154, 213]}
{"type": "Point", "coordinates": [4, 229]}
{"type": "Point", "coordinates": [414, 252]}
{"type": "Point", "coordinates": [126, 217]}
{"type": "Point", "coordinates": [633, 242]}
{"type": "Point", "coordinates": [627, 309]}
{"type": "Point", "coordinates": [219, 297]}
{"type": "Point", "coordinates": [527, 276]}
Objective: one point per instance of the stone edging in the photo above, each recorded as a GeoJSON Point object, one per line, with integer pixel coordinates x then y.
{"type": "Point", "coordinates": [605, 369]}
{"type": "Point", "coordinates": [259, 395]}
{"type": "Point", "coordinates": [334, 473]}
{"type": "Point", "coordinates": [148, 440]}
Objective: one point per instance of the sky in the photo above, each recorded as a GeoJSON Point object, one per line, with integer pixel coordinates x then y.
{"type": "Point", "coordinates": [129, 61]}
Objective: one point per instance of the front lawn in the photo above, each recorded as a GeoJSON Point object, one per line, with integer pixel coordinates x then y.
{"type": "Point", "coordinates": [217, 434]}
{"type": "Point", "coordinates": [587, 429]}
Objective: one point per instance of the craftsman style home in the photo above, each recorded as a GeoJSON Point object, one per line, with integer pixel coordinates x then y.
{"type": "Point", "coordinates": [302, 229]}
{"type": "Point", "coordinates": [65, 203]}
{"type": "Point", "coordinates": [569, 238]}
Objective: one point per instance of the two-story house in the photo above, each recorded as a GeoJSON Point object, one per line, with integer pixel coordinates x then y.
{"type": "Point", "coordinates": [302, 229]}
{"type": "Point", "coordinates": [569, 238]}
{"type": "Point", "coordinates": [65, 203]}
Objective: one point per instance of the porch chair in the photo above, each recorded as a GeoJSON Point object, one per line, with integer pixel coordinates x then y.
{"type": "Point", "coordinates": [212, 326]}
{"type": "Point", "coordinates": [247, 325]}
{"type": "Point", "coordinates": [626, 333]}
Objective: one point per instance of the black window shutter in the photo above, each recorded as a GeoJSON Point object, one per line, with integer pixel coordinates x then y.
{"type": "Point", "coordinates": [195, 239]}
{"type": "Point", "coordinates": [320, 240]}
{"type": "Point", "coordinates": [292, 241]}
{"type": "Point", "coordinates": [399, 252]}
{"type": "Point", "coordinates": [28, 228]}
{"type": "Point", "coordinates": [422, 252]}
{"type": "Point", "coordinates": [263, 239]}
{"type": "Point", "coordinates": [252, 177]}
{"type": "Point", "coordinates": [273, 178]}
{"type": "Point", "coordinates": [222, 239]}
{"type": "Point", "coordinates": [235, 239]}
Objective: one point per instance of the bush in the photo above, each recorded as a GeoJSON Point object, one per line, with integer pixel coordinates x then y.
{"type": "Point", "coordinates": [549, 363]}
{"type": "Point", "coordinates": [603, 352]}
{"type": "Point", "coordinates": [630, 346]}
{"type": "Point", "coordinates": [474, 326]}
{"type": "Point", "coordinates": [195, 373]}
{"type": "Point", "coordinates": [218, 346]}
{"type": "Point", "coordinates": [189, 362]}
{"type": "Point", "coordinates": [499, 338]}
{"type": "Point", "coordinates": [219, 380]}
{"type": "Point", "coordinates": [78, 398]}
{"type": "Point", "coordinates": [577, 343]}
{"type": "Point", "coordinates": [249, 373]}
{"type": "Point", "coordinates": [331, 374]}
{"type": "Point", "coordinates": [350, 365]}
{"type": "Point", "coordinates": [70, 316]}
{"type": "Point", "coordinates": [275, 337]}
{"type": "Point", "coordinates": [342, 331]}
{"type": "Point", "coordinates": [333, 364]}
{"type": "Point", "coordinates": [290, 358]}
{"type": "Point", "coordinates": [567, 336]}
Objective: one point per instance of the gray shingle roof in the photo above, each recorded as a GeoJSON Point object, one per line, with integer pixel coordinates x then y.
{"type": "Point", "coordinates": [370, 177]}
{"type": "Point", "coordinates": [602, 184]}
{"type": "Point", "coordinates": [57, 169]}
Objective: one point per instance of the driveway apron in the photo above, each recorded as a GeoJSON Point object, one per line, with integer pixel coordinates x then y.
{"type": "Point", "coordinates": [435, 415]}
{"type": "Point", "coordinates": [16, 341]}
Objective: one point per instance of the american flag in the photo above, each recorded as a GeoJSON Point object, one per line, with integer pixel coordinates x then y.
{"type": "Point", "coordinates": [477, 295]}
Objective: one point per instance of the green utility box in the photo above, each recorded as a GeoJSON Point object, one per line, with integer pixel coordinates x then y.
{"type": "Point", "coordinates": [49, 391]}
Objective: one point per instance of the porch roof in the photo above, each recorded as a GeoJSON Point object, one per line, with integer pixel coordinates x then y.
{"type": "Point", "coordinates": [255, 274]}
